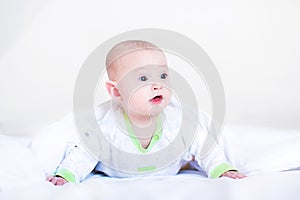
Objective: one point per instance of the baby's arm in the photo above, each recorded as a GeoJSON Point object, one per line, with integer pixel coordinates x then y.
{"type": "Point", "coordinates": [216, 165]}
{"type": "Point", "coordinates": [75, 167]}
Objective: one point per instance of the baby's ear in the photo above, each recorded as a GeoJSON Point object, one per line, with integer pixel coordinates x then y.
{"type": "Point", "coordinates": [112, 89]}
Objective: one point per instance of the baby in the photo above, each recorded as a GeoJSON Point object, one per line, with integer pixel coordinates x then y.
{"type": "Point", "coordinates": [145, 110]}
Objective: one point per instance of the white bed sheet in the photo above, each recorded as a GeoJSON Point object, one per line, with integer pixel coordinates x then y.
{"type": "Point", "coordinates": [270, 157]}
{"type": "Point", "coordinates": [266, 186]}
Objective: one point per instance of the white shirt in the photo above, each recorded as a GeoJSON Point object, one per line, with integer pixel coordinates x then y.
{"type": "Point", "coordinates": [113, 126]}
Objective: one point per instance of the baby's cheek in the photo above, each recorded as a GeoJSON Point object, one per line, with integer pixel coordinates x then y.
{"type": "Point", "coordinates": [168, 96]}
{"type": "Point", "coordinates": [136, 99]}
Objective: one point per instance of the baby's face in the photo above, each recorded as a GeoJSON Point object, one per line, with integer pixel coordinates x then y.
{"type": "Point", "coordinates": [143, 82]}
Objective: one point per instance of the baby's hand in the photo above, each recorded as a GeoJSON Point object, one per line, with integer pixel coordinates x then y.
{"type": "Point", "coordinates": [233, 174]}
{"type": "Point", "coordinates": [56, 180]}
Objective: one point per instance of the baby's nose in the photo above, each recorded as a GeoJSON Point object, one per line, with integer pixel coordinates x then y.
{"type": "Point", "coordinates": [156, 86]}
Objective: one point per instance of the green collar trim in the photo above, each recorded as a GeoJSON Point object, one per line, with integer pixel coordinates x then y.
{"type": "Point", "coordinates": [156, 136]}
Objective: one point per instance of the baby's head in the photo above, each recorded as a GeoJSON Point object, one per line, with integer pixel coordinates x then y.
{"type": "Point", "coordinates": [138, 77]}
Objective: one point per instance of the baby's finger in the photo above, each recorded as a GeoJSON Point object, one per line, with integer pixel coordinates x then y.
{"type": "Point", "coordinates": [49, 178]}
{"type": "Point", "coordinates": [237, 175]}
{"type": "Point", "coordinates": [231, 175]}
{"type": "Point", "coordinates": [60, 181]}
{"type": "Point", "coordinates": [54, 180]}
{"type": "Point", "coordinates": [240, 175]}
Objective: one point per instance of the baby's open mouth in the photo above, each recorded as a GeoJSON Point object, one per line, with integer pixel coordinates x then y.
{"type": "Point", "coordinates": [157, 99]}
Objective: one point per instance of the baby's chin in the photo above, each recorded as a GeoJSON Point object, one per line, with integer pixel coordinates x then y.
{"type": "Point", "coordinates": [152, 111]}
{"type": "Point", "coordinates": [148, 109]}
{"type": "Point", "coordinates": [156, 110]}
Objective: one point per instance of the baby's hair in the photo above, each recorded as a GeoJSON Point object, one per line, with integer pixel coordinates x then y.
{"type": "Point", "coordinates": [124, 48]}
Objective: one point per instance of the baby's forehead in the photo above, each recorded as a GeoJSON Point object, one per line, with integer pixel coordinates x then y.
{"type": "Point", "coordinates": [139, 61]}
{"type": "Point", "coordinates": [144, 53]}
{"type": "Point", "coordinates": [149, 69]}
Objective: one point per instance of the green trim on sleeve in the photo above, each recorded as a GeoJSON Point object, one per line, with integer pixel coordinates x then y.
{"type": "Point", "coordinates": [220, 169]}
{"type": "Point", "coordinates": [66, 174]}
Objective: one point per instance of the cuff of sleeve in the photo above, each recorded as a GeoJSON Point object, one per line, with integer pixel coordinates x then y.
{"type": "Point", "coordinates": [220, 169]}
{"type": "Point", "coordinates": [66, 174]}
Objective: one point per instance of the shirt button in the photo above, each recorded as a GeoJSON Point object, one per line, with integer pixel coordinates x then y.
{"type": "Point", "coordinates": [156, 137]}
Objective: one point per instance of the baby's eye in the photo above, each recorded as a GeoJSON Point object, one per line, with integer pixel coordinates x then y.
{"type": "Point", "coordinates": [163, 76]}
{"type": "Point", "coordinates": [143, 78]}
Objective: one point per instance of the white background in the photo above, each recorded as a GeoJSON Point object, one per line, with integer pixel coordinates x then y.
{"type": "Point", "coordinates": [254, 44]}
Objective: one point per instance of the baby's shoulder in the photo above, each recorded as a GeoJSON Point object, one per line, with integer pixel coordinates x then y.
{"type": "Point", "coordinates": [107, 106]}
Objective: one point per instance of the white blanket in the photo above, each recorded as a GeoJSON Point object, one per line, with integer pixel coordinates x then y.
{"type": "Point", "coordinates": [269, 186]}
{"type": "Point", "coordinates": [269, 157]}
